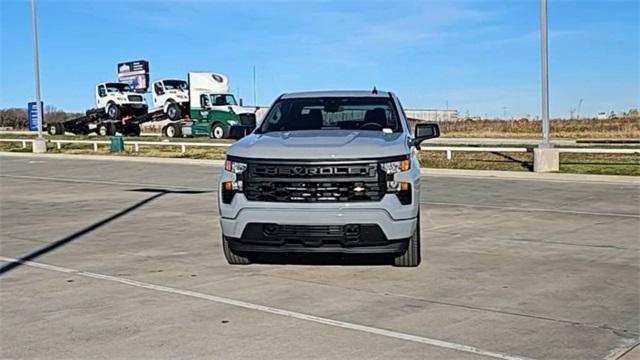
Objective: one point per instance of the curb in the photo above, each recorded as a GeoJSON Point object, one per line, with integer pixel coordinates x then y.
{"type": "Point", "coordinates": [435, 172]}
{"type": "Point", "coordinates": [531, 176]}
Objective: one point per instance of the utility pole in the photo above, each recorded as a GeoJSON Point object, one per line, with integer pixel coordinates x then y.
{"type": "Point", "coordinates": [544, 56]}
{"type": "Point", "coordinates": [254, 86]}
{"type": "Point", "coordinates": [447, 107]}
{"type": "Point", "coordinates": [40, 145]}
{"type": "Point", "coordinates": [579, 106]}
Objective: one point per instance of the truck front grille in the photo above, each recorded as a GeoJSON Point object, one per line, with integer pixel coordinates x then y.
{"type": "Point", "coordinates": [314, 183]}
{"type": "Point", "coordinates": [135, 98]}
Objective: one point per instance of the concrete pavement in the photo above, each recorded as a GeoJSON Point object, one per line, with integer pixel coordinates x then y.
{"type": "Point", "coordinates": [127, 263]}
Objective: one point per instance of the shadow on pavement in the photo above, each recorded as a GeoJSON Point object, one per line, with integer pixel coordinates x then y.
{"type": "Point", "coordinates": [37, 253]}
{"type": "Point", "coordinates": [323, 259]}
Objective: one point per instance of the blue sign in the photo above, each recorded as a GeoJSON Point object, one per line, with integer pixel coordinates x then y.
{"type": "Point", "coordinates": [32, 114]}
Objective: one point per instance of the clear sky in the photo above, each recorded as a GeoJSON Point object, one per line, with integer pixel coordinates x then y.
{"type": "Point", "coordinates": [476, 56]}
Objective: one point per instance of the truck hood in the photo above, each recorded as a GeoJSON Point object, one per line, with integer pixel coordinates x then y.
{"type": "Point", "coordinates": [320, 144]}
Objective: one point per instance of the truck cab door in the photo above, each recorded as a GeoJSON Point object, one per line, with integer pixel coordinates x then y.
{"type": "Point", "coordinates": [158, 92]}
{"type": "Point", "coordinates": [101, 94]}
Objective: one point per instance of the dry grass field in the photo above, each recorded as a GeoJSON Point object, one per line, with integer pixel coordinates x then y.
{"type": "Point", "coordinates": [623, 128]}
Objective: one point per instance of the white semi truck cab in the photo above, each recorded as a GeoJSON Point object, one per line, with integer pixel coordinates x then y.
{"type": "Point", "coordinates": [172, 96]}
{"type": "Point", "coordinates": [119, 100]}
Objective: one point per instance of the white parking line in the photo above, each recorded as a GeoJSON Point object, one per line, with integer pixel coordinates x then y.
{"type": "Point", "coordinates": [277, 311]}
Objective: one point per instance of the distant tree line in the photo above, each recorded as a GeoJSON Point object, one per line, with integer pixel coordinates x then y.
{"type": "Point", "coordinates": [16, 118]}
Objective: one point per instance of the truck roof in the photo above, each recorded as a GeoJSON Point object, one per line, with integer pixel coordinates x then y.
{"type": "Point", "coordinates": [335, 93]}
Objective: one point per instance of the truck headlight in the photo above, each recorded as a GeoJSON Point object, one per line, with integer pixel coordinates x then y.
{"type": "Point", "coordinates": [395, 166]}
{"type": "Point", "coordinates": [232, 122]}
{"type": "Point", "coordinates": [235, 167]}
{"type": "Point", "coordinates": [122, 99]}
{"type": "Point", "coordinates": [230, 188]}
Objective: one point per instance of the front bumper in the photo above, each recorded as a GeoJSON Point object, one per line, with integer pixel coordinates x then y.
{"type": "Point", "coordinates": [392, 237]}
{"type": "Point", "coordinates": [396, 222]}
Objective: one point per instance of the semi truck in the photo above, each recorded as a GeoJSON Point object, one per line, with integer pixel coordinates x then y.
{"type": "Point", "coordinates": [201, 106]}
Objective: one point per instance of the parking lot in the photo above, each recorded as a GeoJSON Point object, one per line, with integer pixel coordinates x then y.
{"type": "Point", "coordinates": [123, 260]}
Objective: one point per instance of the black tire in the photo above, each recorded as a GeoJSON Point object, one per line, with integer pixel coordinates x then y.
{"type": "Point", "coordinates": [106, 129]}
{"type": "Point", "coordinates": [411, 257]}
{"type": "Point", "coordinates": [217, 131]}
{"type": "Point", "coordinates": [232, 257]}
{"type": "Point", "coordinates": [56, 129]}
{"type": "Point", "coordinates": [174, 112]}
{"type": "Point", "coordinates": [173, 131]}
{"type": "Point", "coordinates": [102, 129]}
{"type": "Point", "coordinates": [113, 111]}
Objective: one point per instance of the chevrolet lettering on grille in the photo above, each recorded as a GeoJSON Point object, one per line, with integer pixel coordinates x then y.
{"type": "Point", "coordinates": [309, 171]}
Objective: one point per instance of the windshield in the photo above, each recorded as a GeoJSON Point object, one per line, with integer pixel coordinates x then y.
{"type": "Point", "coordinates": [117, 87]}
{"type": "Point", "coordinates": [222, 99]}
{"type": "Point", "coordinates": [175, 85]}
{"type": "Point", "coordinates": [332, 113]}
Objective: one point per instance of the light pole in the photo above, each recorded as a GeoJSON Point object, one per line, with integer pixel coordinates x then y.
{"type": "Point", "coordinates": [39, 145]}
{"type": "Point", "coordinates": [545, 157]}
{"type": "Point", "coordinates": [544, 57]}
{"type": "Point", "coordinates": [36, 66]}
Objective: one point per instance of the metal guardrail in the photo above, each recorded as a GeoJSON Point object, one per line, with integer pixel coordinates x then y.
{"type": "Point", "coordinates": [448, 149]}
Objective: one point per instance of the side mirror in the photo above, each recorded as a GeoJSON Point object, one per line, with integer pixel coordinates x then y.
{"type": "Point", "coordinates": [425, 131]}
{"type": "Point", "coordinates": [241, 102]}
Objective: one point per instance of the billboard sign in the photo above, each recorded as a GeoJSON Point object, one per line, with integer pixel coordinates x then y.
{"type": "Point", "coordinates": [136, 74]}
{"type": "Point", "coordinates": [32, 115]}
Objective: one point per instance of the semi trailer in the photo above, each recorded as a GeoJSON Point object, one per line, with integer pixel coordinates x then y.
{"type": "Point", "coordinates": [118, 109]}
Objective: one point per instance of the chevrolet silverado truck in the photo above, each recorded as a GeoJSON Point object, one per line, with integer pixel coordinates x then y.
{"type": "Point", "coordinates": [328, 172]}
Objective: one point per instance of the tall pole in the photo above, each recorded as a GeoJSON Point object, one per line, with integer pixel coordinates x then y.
{"type": "Point", "coordinates": [36, 66]}
{"type": "Point", "coordinates": [254, 85]}
{"type": "Point", "coordinates": [544, 56]}
{"type": "Point", "coordinates": [579, 106]}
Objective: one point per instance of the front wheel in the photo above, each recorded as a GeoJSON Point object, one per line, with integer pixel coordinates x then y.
{"type": "Point", "coordinates": [173, 111]}
{"type": "Point", "coordinates": [411, 257]}
{"type": "Point", "coordinates": [217, 131]}
{"type": "Point", "coordinates": [113, 111]}
{"type": "Point", "coordinates": [232, 257]}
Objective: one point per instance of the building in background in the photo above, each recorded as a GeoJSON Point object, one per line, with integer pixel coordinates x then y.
{"type": "Point", "coordinates": [432, 114]}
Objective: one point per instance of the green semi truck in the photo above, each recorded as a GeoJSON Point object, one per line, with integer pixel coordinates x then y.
{"type": "Point", "coordinates": [203, 106]}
